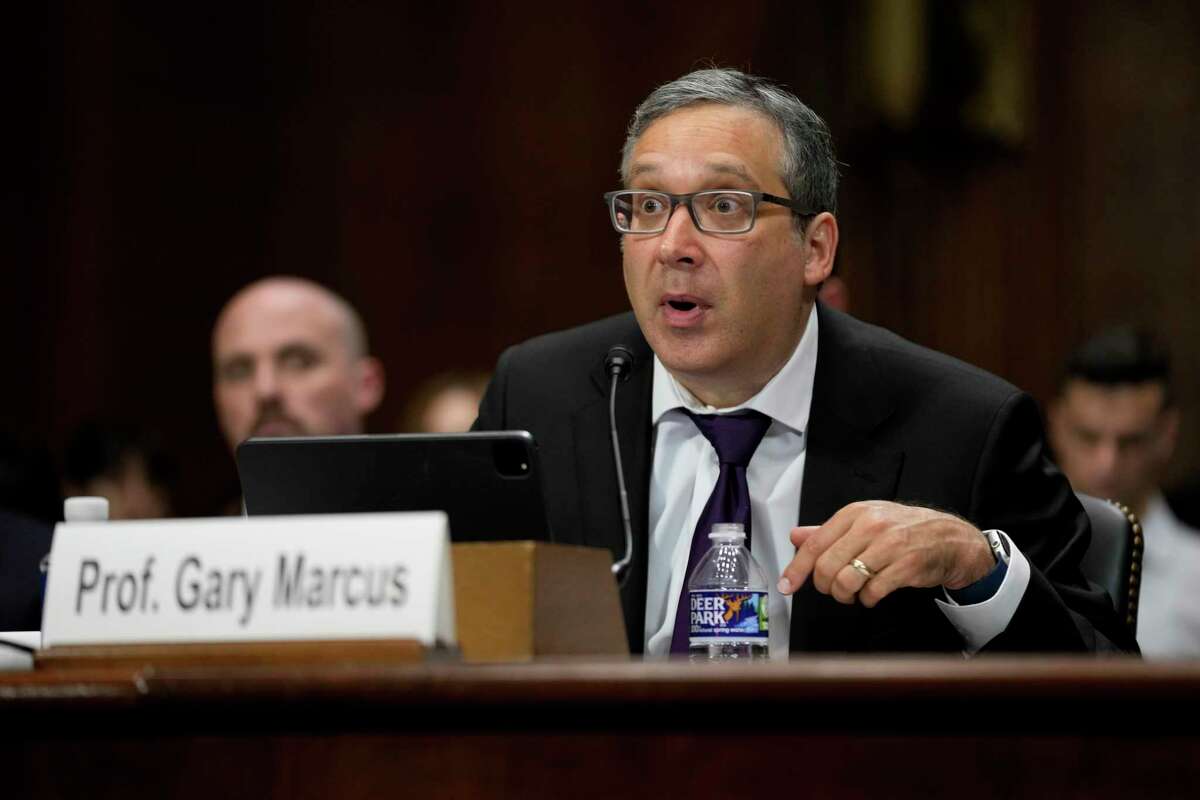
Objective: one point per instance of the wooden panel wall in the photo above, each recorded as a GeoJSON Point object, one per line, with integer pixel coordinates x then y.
{"type": "Point", "coordinates": [442, 165]}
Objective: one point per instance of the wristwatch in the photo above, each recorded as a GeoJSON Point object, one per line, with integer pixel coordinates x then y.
{"type": "Point", "coordinates": [996, 542]}
{"type": "Point", "coordinates": [987, 586]}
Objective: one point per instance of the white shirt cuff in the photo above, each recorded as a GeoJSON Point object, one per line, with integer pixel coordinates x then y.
{"type": "Point", "coordinates": [979, 623]}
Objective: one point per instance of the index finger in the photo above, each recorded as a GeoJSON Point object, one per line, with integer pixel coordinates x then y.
{"type": "Point", "coordinates": [811, 543]}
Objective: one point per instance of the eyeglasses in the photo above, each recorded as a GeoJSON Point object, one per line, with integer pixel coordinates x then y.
{"type": "Point", "coordinates": [716, 211]}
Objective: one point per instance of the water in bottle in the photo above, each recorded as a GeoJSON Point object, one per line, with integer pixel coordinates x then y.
{"type": "Point", "coordinates": [727, 597]}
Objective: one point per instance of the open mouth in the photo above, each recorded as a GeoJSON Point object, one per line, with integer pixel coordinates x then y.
{"type": "Point", "coordinates": [683, 311]}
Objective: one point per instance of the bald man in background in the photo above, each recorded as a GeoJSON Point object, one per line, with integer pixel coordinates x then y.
{"type": "Point", "coordinates": [290, 358]}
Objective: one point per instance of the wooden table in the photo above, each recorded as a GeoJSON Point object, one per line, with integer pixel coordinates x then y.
{"type": "Point", "coordinates": [845, 728]}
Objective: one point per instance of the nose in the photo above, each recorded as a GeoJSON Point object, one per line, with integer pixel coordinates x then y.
{"type": "Point", "coordinates": [680, 242]}
{"type": "Point", "coordinates": [1106, 458]}
{"type": "Point", "coordinates": [266, 382]}
{"type": "Point", "coordinates": [1104, 467]}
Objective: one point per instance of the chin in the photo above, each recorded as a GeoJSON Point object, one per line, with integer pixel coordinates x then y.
{"type": "Point", "coordinates": [689, 362]}
{"type": "Point", "coordinates": [685, 351]}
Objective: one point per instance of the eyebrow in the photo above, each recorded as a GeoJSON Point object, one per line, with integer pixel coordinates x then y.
{"type": "Point", "coordinates": [297, 348]}
{"type": "Point", "coordinates": [719, 168]}
{"type": "Point", "coordinates": [286, 349]}
{"type": "Point", "coordinates": [732, 169]}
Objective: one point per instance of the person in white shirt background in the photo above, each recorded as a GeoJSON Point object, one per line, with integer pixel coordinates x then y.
{"type": "Point", "coordinates": [1114, 427]}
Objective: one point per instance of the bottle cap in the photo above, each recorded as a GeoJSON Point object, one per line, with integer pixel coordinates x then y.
{"type": "Point", "coordinates": [85, 509]}
{"type": "Point", "coordinates": [728, 530]}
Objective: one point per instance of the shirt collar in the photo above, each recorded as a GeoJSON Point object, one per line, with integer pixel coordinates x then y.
{"type": "Point", "coordinates": [786, 398]}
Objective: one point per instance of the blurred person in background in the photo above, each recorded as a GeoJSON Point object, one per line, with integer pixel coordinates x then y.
{"type": "Point", "coordinates": [24, 543]}
{"type": "Point", "coordinates": [446, 403]}
{"type": "Point", "coordinates": [290, 358]}
{"type": "Point", "coordinates": [834, 293]}
{"type": "Point", "coordinates": [30, 504]}
{"type": "Point", "coordinates": [123, 463]}
{"type": "Point", "coordinates": [1113, 427]}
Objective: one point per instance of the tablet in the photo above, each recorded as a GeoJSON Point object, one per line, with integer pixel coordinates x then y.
{"type": "Point", "coordinates": [488, 483]}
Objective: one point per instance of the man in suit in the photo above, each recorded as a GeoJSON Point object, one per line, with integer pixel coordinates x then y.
{"type": "Point", "coordinates": [901, 499]}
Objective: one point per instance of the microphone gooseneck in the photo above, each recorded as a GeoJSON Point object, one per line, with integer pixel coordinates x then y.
{"type": "Point", "coordinates": [618, 363]}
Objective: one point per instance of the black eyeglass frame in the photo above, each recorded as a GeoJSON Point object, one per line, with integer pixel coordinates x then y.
{"type": "Point", "coordinates": [686, 200]}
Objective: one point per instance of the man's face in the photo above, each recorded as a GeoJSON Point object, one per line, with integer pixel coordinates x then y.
{"type": "Point", "coordinates": [283, 366]}
{"type": "Point", "coordinates": [723, 312]}
{"type": "Point", "coordinates": [1113, 441]}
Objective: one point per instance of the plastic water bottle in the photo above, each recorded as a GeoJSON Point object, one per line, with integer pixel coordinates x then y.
{"type": "Point", "coordinates": [727, 598]}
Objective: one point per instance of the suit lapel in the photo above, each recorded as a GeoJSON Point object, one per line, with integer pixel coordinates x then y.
{"type": "Point", "coordinates": [850, 401]}
{"type": "Point", "coordinates": [843, 464]}
{"type": "Point", "coordinates": [841, 467]}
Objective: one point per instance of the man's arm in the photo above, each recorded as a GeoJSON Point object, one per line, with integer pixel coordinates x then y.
{"type": "Point", "coordinates": [1018, 489]}
{"type": "Point", "coordinates": [1015, 489]}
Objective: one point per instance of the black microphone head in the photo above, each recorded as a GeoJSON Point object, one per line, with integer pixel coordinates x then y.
{"type": "Point", "coordinates": [619, 361]}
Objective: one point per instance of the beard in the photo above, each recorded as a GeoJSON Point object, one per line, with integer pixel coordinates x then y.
{"type": "Point", "coordinates": [274, 421]}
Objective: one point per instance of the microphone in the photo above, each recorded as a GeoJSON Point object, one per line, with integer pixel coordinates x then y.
{"type": "Point", "coordinates": [618, 363]}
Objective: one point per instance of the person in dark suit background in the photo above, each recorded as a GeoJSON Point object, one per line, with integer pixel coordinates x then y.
{"type": "Point", "coordinates": [902, 498]}
{"type": "Point", "coordinates": [24, 543]}
{"type": "Point", "coordinates": [30, 504]}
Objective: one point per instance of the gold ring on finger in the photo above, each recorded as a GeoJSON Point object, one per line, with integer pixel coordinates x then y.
{"type": "Point", "coordinates": [861, 568]}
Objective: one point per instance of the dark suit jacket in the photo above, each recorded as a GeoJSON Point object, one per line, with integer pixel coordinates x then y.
{"type": "Point", "coordinates": [890, 420]}
{"type": "Point", "coordinates": [24, 542]}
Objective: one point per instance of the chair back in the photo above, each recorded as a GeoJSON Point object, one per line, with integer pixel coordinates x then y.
{"type": "Point", "coordinates": [1114, 559]}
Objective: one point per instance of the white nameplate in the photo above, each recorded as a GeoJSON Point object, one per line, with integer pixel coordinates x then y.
{"type": "Point", "coordinates": [333, 576]}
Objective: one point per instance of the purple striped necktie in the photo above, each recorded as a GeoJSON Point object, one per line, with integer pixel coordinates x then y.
{"type": "Point", "coordinates": [735, 437]}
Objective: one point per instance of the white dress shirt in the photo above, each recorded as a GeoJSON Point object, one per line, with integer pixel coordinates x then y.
{"type": "Point", "coordinates": [685, 470]}
{"type": "Point", "coordinates": [1168, 623]}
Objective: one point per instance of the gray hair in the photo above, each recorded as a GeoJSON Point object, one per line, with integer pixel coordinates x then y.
{"type": "Point", "coordinates": [808, 168]}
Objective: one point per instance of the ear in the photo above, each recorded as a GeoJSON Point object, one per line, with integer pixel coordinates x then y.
{"type": "Point", "coordinates": [370, 384]}
{"type": "Point", "coordinates": [820, 247]}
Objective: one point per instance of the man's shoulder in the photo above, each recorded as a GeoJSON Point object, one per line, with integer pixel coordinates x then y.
{"type": "Point", "coordinates": [903, 363]}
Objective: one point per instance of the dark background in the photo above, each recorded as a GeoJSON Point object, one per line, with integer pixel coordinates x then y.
{"type": "Point", "coordinates": [1016, 173]}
